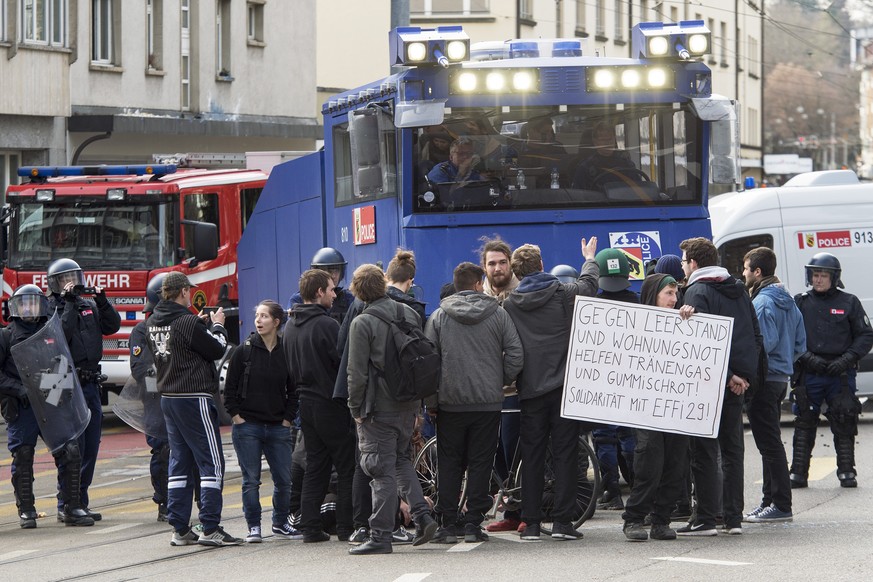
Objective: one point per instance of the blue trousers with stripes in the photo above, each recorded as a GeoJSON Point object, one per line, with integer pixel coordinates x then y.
{"type": "Point", "coordinates": [192, 430]}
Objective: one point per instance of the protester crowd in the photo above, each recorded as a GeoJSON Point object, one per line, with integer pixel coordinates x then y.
{"type": "Point", "coordinates": [336, 391]}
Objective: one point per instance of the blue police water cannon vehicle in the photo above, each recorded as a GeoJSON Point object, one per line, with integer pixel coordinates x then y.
{"type": "Point", "coordinates": [536, 141]}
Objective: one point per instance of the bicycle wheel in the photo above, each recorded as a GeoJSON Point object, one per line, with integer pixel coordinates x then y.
{"type": "Point", "coordinates": [587, 484]}
{"type": "Point", "coordinates": [426, 469]}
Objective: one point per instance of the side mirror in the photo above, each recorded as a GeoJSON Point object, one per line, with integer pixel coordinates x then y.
{"type": "Point", "coordinates": [201, 240]}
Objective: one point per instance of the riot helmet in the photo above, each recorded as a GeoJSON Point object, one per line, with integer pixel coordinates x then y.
{"type": "Point", "coordinates": [28, 303]}
{"type": "Point", "coordinates": [565, 273]}
{"type": "Point", "coordinates": [62, 272]}
{"type": "Point", "coordinates": [153, 292]}
{"type": "Point", "coordinates": [825, 262]}
{"type": "Point", "coordinates": [331, 260]}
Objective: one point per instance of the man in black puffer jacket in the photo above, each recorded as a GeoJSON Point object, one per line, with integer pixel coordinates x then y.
{"type": "Point", "coordinates": [711, 289]}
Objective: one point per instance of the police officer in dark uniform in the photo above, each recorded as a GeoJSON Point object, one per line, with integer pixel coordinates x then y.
{"type": "Point", "coordinates": [28, 312]}
{"type": "Point", "coordinates": [85, 322]}
{"type": "Point", "coordinates": [331, 260]}
{"type": "Point", "coordinates": [142, 364]}
{"type": "Point", "coordinates": [838, 335]}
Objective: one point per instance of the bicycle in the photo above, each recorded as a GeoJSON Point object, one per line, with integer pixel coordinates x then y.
{"type": "Point", "coordinates": [508, 492]}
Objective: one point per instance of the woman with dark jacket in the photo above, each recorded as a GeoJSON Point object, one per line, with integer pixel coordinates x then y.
{"type": "Point", "coordinates": [660, 458]}
{"type": "Point", "coordinates": [260, 398]}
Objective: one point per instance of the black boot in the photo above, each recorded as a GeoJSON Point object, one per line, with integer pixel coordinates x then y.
{"type": "Point", "coordinates": [845, 448]}
{"type": "Point", "coordinates": [804, 441]}
{"type": "Point", "coordinates": [72, 513]}
{"type": "Point", "coordinates": [425, 528]}
{"type": "Point", "coordinates": [22, 482]}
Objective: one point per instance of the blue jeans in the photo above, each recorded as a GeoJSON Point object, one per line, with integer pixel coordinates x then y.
{"type": "Point", "coordinates": [251, 440]}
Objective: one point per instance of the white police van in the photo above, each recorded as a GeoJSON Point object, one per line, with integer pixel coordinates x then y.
{"type": "Point", "coordinates": [830, 211]}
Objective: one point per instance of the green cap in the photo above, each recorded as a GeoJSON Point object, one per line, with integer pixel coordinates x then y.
{"type": "Point", "coordinates": [614, 270]}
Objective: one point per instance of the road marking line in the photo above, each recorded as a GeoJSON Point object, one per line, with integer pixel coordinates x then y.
{"type": "Point", "coordinates": [821, 467]}
{"type": "Point", "coordinates": [15, 554]}
{"type": "Point", "coordinates": [113, 529]}
{"type": "Point", "coordinates": [465, 547]}
{"type": "Point", "coordinates": [704, 561]}
{"type": "Point", "coordinates": [413, 577]}
{"type": "Point", "coordinates": [508, 536]}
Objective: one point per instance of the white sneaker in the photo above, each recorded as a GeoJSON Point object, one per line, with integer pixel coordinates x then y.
{"type": "Point", "coordinates": [254, 536]}
{"type": "Point", "coordinates": [218, 538]}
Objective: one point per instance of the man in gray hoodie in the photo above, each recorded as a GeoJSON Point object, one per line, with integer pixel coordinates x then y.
{"type": "Point", "coordinates": [542, 309]}
{"type": "Point", "coordinates": [481, 353]}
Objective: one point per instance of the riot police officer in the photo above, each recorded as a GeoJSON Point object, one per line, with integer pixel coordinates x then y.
{"type": "Point", "coordinates": [142, 368]}
{"type": "Point", "coordinates": [331, 260]}
{"type": "Point", "coordinates": [838, 335]}
{"type": "Point", "coordinates": [85, 322]}
{"type": "Point", "coordinates": [28, 312]}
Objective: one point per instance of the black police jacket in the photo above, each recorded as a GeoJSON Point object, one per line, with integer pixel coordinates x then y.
{"type": "Point", "coordinates": [85, 322]}
{"type": "Point", "coordinates": [835, 323]}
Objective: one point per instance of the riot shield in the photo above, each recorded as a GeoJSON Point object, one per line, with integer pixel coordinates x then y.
{"type": "Point", "coordinates": [139, 405]}
{"type": "Point", "coordinates": [49, 377]}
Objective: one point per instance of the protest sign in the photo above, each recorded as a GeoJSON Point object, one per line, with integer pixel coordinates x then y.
{"type": "Point", "coordinates": [646, 367]}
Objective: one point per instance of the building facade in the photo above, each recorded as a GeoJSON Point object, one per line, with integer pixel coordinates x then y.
{"type": "Point", "coordinates": [112, 81]}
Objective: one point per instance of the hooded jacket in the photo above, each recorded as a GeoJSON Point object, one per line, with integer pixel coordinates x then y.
{"type": "Point", "coordinates": [368, 337]}
{"type": "Point", "coordinates": [713, 290]}
{"type": "Point", "coordinates": [782, 327]}
{"type": "Point", "coordinates": [542, 309]}
{"type": "Point", "coordinates": [310, 349]}
{"type": "Point", "coordinates": [269, 396]}
{"type": "Point", "coordinates": [401, 297]}
{"type": "Point", "coordinates": [480, 351]}
{"type": "Point", "coordinates": [185, 350]}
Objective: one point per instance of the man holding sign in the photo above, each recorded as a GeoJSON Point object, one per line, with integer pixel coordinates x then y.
{"type": "Point", "coordinates": [711, 289]}
{"type": "Point", "coordinates": [542, 309]}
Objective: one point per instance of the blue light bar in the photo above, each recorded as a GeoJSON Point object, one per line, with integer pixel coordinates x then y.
{"type": "Point", "coordinates": [57, 171]}
{"type": "Point", "coordinates": [523, 49]}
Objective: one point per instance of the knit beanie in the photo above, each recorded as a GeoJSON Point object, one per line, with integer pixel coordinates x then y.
{"type": "Point", "coordinates": [670, 265]}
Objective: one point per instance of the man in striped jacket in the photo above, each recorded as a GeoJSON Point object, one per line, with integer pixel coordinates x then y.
{"type": "Point", "coordinates": [185, 347]}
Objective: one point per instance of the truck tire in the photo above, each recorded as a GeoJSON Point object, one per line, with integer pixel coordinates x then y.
{"type": "Point", "coordinates": [222, 365]}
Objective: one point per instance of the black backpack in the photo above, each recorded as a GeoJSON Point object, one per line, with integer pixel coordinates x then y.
{"type": "Point", "coordinates": [412, 361]}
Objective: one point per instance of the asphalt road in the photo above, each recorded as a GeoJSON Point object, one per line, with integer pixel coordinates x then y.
{"type": "Point", "coordinates": [828, 540]}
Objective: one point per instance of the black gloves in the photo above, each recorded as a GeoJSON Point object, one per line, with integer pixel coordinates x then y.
{"type": "Point", "coordinates": [840, 365]}
{"type": "Point", "coordinates": [813, 363]}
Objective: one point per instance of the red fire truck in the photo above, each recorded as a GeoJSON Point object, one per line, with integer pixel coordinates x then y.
{"type": "Point", "coordinates": [123, 225]}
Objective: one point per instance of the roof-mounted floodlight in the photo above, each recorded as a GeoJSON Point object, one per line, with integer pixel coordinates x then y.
{"type": "Point", "coordinates": [684, 40]}
{"type": "Point", "coordinates": [415, 46]}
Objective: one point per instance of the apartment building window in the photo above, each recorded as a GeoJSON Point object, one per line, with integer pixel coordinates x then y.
{"type": "Point", "coordinates": [710, 24]}
{"type": "Point", "coordinates": [155, 34]}
{"type": "Point", "coordinates": [525, 9]}
{"type": "Point", "coordinates": [42, 21]}
{"type": "Point", "coordinates": [751, 123]}
{"type": "Point", "coordinates": [185, 63]}
{"type": "Point", "coordinates": [9, 163]}
{"type": "Point", "coordinates": [619, 20]}
{"type": "Point", "coordinates": [2, 21]}
{"type": "Point", "coordinates": [724, 44]}
{"type": "Point", "coordinates": [600, 18]}
{"type": "Point", "coordinates": [222, 38]}
{"type": "Point", "coordinates": [454, 7]}
{"type": "Point", "coordinates": [752, 57]}
{"type": "Point", "coordinates": [580, 16]}
{"type": "Point", "coordinates": [105, 20]}
{"type": "Point", "coordinates": [255, 22]}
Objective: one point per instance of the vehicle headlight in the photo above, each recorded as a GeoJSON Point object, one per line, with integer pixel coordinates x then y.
{"type": "Point", "coordinates": [416, 51]}
{"type": "Point", "coordinates": [495, 81]}
{"type": "Point", "coordinates": [456, 50]}
{"type": "Point", "coordinates": [604, 79]}
{"type": "Point", "coordinates": [630, 78]}
{"type": "Point", "coordinates": [522, 81]}
{"type": "Point", "coordinates": [698, 44]}
{"type": "Point", "coordinates": [658, 46]}
{"type": "Point", "coordinates": [467, 82]}
{"type": "Point", "coordinates": [657, 78]}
